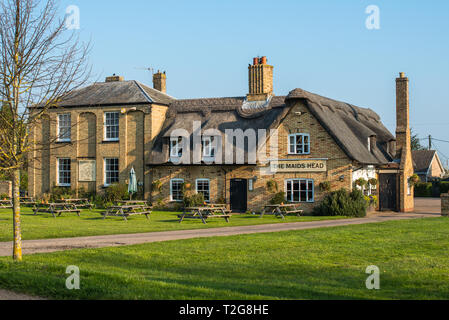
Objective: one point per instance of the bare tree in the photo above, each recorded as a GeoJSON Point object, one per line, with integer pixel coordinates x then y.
{"type": "Point", "coordinates": [40, 62]}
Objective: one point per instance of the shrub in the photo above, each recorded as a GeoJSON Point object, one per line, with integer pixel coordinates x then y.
{"type": "Point", "coordinates": [272, 186]}
{"type": "Point", "coordinates": [444, 187]}
{"type": "Point", "coordinates": [278, 198]}
{"type": "Point", "coordinates": [195, 200]}
{"type": "Point", "coordinates": [325, 186]}
{"type": "Point", "coordinates": [343, 203]}
{"type": "Point", "coordinates": [58, 193]}
{"type": "Point", "coordinates": [423, 189]}
{"type": "Point", "coordinates": [116, 192]}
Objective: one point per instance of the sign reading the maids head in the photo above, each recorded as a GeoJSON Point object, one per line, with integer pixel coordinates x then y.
{"type": "Point", "coordinates": [283, 166]}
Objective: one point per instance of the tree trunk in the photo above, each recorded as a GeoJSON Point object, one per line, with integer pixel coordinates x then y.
{"type": "Point", "coordinates": [17, 251]}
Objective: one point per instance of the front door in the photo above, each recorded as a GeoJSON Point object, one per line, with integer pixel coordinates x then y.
{"type": "Point", "coordinates": [239, 195]}
{"type": "Point", "coordinates": [387, 192]}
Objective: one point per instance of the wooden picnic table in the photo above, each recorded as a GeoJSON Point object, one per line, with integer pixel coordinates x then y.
{"type": "Point", "coordinates": [56, 208]}
{"type": "Point", "coordinates": [79, 203]}
{"type": "Point", "coordinates": [6, 204]}
{"type": "Point", "coordinates": [27, 201]}
{"type": "Point", "coordinates": [282, 210]}
{"type": "Point", "coordinates": [204, 213]}
{"type": "Point", "coordinates": [126, 211]}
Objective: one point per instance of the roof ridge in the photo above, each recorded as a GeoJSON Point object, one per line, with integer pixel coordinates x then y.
{"type": "Point", "coordinates": [143, 91]}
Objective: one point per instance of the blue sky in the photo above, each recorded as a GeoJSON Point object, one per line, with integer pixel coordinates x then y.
{"type": "Point", "coordinates": [321, 46]}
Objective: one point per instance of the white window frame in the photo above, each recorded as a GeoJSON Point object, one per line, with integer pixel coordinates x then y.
{"type": "Point", "coordinates": [287, 181]}
{"type": "Point", "coordinates": [106, 126]}
{"type": "Point", "coordinates": [58, 172]}
{"type": "Point", "coordinates": [106, 184]}
{"type": "Point", "coordinates": [66, 127]}
{"type": "Point", "coordinates": [171, 189]}
{"type": "Point", "coordinates": [209, 152]}
{"type": "Point", "coordinates": [196, 187]}
{"type": "Point", "coordinates": [176, 147]}
{"type": "Point", "coordinates": [295, 145]}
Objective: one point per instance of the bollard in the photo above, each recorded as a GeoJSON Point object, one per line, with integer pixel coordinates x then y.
{"type": "Point", "coordinates": [445, 205]}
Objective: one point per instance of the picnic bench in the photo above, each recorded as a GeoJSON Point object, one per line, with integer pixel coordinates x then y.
{"type": "Point", "coordinates": [56, 209]}
{"type": "Point", "coordinates": [79, 203]}
{"type": "Point", "coordinates": [206, 212]}
{"type": "Point", "coordinates": [128, 210]}
{"type": "Point", "coordinates": [27, 201]}
{"type": "Point", "coordinates": [6, 204]}
{"type": "Point", "coordinates": [282, 210]}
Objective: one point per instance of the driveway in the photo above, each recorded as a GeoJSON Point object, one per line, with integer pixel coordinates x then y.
{"type": "Point", "coordinates": [425, 208]}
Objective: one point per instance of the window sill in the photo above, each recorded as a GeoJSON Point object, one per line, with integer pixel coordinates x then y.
{"type": "Point", "coordinates": [111, 141]}
{"type": "Point", "coordinates": [64, 142]}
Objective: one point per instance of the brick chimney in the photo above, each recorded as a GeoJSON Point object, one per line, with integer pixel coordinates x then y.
{"type": "Point", "coordinates": [260, 80]}
{"type": "Point", "coordinates": [160, 81]}
{"type": "Point", "coordinates": [403, 133]}
{"type": "Point", "coordinates": [114, 78]}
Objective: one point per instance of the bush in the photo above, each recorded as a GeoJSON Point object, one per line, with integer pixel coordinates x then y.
{"type": "Point", "coordinates": [278, 198]}
{"type": "Point", "coordinates": [116, 192]}
{"type": "Point", "coordinates": [343, 203]}
{"type": "Point", "coordinates": [58, 193]}
{"type": "Point", "coordinates": [423, 189]}
{"type": "Point", "coordinates": [444, 187]}
{"type": "Point", "coordinates": [195, 200]}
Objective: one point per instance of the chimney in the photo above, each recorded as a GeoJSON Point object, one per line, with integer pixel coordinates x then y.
{"type": "Point", "coordinates": [260, 80]}
{"type": "Point", "coordinates": [114, 78]}
{"type": "Point", "coordinates": [403, 133]}
{"type": "Point", "coordinates": [391, 147]}
{"type": "Point", "coordinates": [160, 81]}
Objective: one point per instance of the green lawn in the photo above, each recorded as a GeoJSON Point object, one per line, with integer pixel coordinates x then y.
{"type": "Point", "coordinates": [308, 264]}
{"type": "Point", "coordinates": [44, 226]}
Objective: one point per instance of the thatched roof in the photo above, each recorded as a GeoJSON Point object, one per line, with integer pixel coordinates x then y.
{"type": "Point", "coordinates": [349, 125]}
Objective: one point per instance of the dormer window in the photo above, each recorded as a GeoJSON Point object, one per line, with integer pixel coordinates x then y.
{"type": "Point", "coordinates": [176, 147]}
{"type": "Point", "coordinates": [299, 143]}
{"type": "Point", "coordinates": [208, 147]}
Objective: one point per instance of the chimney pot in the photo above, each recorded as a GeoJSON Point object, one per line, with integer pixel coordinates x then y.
{"type": "Point", "coordinates": [263, 60]}
{"type": "Point", "coordinates": [255, 61]}
{"type": "Point", "coordinates": [402, 75]}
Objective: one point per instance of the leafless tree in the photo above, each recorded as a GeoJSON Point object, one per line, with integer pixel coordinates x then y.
{"type": "Point", "coordinates": [41, 61]}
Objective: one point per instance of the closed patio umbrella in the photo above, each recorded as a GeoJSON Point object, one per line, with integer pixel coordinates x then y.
{"type": "Point", "coordinates": [132, 186]}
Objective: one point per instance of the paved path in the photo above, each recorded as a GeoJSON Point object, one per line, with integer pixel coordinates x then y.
{"type": "Point", "coordinates": [8, 295]}
{"type": "Point", "coordinates": [53, 245]}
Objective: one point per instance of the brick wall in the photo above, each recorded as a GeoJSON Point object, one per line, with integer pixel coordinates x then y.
{"type": "Point", "coordinates": [6, 188]}
{"type": "Point", "coordinates": [445, 205]}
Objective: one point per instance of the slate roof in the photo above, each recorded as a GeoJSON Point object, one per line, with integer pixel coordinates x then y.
{"type": "Point", "coordinates": [349, 125]}
{"type": "Point", "coordinates": [115, 93]}
{"type": "Point", "coordinates": [423, 160]}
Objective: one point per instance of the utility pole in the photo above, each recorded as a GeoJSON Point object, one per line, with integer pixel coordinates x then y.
{"type": "Point", "coordinates": [430, 142]}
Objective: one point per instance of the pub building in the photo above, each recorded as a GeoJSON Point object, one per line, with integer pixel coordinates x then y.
{"type": "Point", "coordinates": [234, 150]}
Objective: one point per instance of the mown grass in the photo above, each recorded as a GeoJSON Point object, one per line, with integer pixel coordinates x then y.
{"type": "Point", "coordinates": [91, 223]}
{"type": "Point", "coordinates": [308, 264]}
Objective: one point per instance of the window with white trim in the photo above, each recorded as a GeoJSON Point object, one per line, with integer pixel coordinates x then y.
{"type": "Point", "coordinates": [176, 147]}
{"type": "Point", "coordinates": [111, 171]}
{"type": "Point", "coordinates": [111, 126]}
{"type": "Point", "coordinates": [203, 186]}
{"type": "Point", "coordinates": [176, 193]}
{"type": "Point", "coordinates": [64, 172]}
{"type": "Point", "coordinates": [208, 147]}
{"type": "Point", "coordinates": [300, 190]}
{"type": "Point", "coordinates": [299, 143]}
{"type": "Point", "coordinates": [64, 127]}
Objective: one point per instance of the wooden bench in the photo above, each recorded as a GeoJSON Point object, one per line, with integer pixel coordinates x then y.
{"type": "Point", "coordinates": [56, 209]}
{"type": "Point", "coordinates": [282, 210]}
{"type": "Point", "coordinates": [204, 213]}
{"type": "Point", "coordinates": [126, 211]}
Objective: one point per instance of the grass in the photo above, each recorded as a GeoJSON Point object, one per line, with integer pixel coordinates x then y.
{"type": "Point", "coordinates": [308, 264]}
{"type": "Point", "coordinates": [44, 226]}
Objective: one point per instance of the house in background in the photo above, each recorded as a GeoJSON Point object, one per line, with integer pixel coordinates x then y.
{"type": "Point", "coordinates": [427, 165]}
